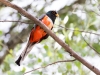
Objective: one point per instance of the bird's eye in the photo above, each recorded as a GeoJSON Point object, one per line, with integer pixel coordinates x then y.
{"type": "Point", "coordinates": [54, 12]}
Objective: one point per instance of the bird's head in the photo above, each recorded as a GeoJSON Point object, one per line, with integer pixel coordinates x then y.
{"type": "Point", "coordinates": [52, 15]}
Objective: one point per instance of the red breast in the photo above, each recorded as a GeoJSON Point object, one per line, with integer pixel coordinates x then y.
{"type": "Point", "coordinates": [38, 33]}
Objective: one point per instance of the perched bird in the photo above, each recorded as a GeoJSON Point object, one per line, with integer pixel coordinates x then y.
{"type": "Point", "coordinates": [38, 34]}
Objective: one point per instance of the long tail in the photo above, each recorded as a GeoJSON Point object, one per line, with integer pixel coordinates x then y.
{"type": "Point", "coordinates": [24, 53]}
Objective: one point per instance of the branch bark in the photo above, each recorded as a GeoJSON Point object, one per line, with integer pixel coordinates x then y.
{"type": "Point", "coordinates": [64, 45]}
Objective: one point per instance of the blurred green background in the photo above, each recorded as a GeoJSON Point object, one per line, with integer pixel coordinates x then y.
{"type": "Point", "coordinates": [78, 25]}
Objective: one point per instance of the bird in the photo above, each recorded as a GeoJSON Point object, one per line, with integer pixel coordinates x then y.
{"type": "Point", "coordinates": [37, 34]}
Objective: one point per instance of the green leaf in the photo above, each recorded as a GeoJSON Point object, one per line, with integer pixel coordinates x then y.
{"type": "Point", "coordinates": [78, 64]}
{"type": "Point", "coordinates": [49, 53]}
{"type": "Point", "coordinates": [68, 65]}
{"type": "Point", "coordinates": [92, 27]}
{"type": "Point", "coordinates": [46, 47]}
{"type": "Point", "coordinates": [60, 55]}
{"type": "Point", "coordinates": [6, 67]}
{"type": "Point", "coordinates": [30, 56]}
{"type": "Point", "coordinates": [76, 32]}
{"type": "Point", "coordinates": [1, 33]}
{"type": "Point", "coordinates": [97, 47]}
{"type": "Point", "coordinates": [39, 60]}
{"type": "Point", "coordinates": [9, 58]}
{"type": "Point", "coordinates": [23, 70]}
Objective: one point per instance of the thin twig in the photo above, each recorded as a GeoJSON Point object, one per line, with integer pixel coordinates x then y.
{"type": "Point", "coordinates": [95, 12]}
{"type": "Point", "coordinates": [14, 21]}
{"type": "Point", "coordinates": [80, 30]}
{"type": "Point", "coordinates": [50, 64]}
{"type": "Point", "coordinates": [58, 25]}
{"type": "Point", "coordinates": [90, 46]}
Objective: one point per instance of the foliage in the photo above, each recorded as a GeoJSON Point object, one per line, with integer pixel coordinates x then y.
{"type": "Point", "coordinates": [77, 18]}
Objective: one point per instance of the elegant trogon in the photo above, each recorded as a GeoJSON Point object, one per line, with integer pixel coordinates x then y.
{"type": "Point", "coordinates": [37, 34]}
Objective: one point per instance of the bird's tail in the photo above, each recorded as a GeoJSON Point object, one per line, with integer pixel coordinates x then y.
{"type": "Point", "coordinates": [24, 53]}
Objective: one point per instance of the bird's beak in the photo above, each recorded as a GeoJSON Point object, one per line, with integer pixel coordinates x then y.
{"type": "Point", "coordinates": [57, 15]}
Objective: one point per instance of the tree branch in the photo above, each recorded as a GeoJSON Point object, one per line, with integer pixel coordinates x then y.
{"type": "Point", "coordinates": [91, 46]}
{"type": "Point", "coordinates": [50, 64]}
{"type": "Point", "coordinates": [64, 45]}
